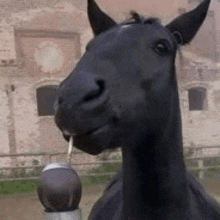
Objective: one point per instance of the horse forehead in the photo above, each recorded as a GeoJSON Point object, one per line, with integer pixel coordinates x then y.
{"type": "Point", "coordinates": [129, 38]}
{"type": "Point", "coordinates": [135, 32]}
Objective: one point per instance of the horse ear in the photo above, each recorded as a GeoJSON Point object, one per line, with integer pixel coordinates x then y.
{"type": "Point", "coordinates": [99, 21]}
{"type": "Point", "coordinates": [185, 27]}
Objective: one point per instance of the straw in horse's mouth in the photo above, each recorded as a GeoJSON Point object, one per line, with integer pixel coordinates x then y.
{"type": "Point", "coordinates": [70, 149]}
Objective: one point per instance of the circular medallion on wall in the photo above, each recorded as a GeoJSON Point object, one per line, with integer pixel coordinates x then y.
{"type": "Point", "coordinates": [49, 57]}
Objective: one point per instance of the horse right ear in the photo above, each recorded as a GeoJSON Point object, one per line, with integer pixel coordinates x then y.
{"type": "Point", "coordinates": [185, 27]}
{"type": "Point", "coordinates": [99, 21]}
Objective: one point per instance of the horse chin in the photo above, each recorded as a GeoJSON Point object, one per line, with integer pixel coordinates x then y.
{"type": "Point", "coordinates": [94, 141]}
{"type": "Point", "coordinates": [92, 151]}
{"type": "Point", "coordinates": [92, 144]}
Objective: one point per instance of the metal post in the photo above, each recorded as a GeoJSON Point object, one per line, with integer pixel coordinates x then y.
{"type": "Point", "coordinates": [59, 191]}
{"type": "Point", "coordinates": [71, 215]}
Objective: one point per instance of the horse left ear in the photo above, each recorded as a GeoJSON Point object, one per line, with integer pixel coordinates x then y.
{"type": "Point", "coordinates": [99, 21]}
{"type": "Point", "coordinates": [185, 27]}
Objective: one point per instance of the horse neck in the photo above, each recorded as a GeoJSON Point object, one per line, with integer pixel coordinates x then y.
{"type": "Point", "coordinates": [154, 175]}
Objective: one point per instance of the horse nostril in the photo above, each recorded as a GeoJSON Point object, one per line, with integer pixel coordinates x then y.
{"type": "Point", "coordinates": [93, 94]}
{"type": "Point", "coordinates": [60, 100]}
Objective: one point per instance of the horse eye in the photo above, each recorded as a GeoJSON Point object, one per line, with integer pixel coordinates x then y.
{"type": "Point", "coordinates": [161, 47]}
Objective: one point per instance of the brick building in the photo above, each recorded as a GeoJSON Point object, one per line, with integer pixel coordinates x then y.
{"type": "Point", "coordinates": [41, 42]}
{"type": "Point", "coordinates": [40, 45]}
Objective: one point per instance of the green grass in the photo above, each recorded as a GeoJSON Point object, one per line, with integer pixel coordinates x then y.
{"type": "Point", "coordinates": [27, 186]}
{"type": "Point", "coordinates": [209, 174]}
{"type": "Point", "coordinates": [18, 186]}
{"type": "Point", "coordinates": [100, 179]}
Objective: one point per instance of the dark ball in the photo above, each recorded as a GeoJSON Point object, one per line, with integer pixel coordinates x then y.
{"type": "Point", "coordinates": [59, 188]}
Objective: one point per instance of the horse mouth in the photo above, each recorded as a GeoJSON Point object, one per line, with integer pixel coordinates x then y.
{"type": "Point", "coordinates": [93, 131]}
{"type": "Point", "coordinates": [86, 141]}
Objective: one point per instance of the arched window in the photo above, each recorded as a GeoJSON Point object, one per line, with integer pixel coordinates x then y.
{"type": "Point", "coordinates": [197, 99]}
{"type": "Point", "coordinates": [46, 96]}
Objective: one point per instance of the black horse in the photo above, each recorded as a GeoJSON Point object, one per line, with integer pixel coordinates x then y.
{"type": "Point", "coordinates": [124, 92]}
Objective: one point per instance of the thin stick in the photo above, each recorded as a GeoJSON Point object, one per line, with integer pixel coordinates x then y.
{"type": "Point", "coordinates": [70, 149]}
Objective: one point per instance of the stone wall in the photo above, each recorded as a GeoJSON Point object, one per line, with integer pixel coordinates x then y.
{"type": "Point", "coordinates": [47, 44]}
{"type": "Point", "coordinates": [200, 127]}
{"type": "Point", "coordinates": [45, 39]}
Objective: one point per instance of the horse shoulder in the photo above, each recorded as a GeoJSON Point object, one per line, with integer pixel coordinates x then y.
{"type": "Point", "coordinates": [111, 201]}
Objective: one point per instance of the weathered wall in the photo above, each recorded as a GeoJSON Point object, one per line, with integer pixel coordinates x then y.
{"type": "Point", "coordinates": [200, 127]}
{"type": "Point", "coordinates": [47, 44]}
{"type": "Point", "coordinates": [49, 38]}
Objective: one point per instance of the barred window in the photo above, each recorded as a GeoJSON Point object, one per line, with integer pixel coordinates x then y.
{"type": "Point", "coordinates": [46, 96]}
{"type": "Point", "coordinates": [197, 99]}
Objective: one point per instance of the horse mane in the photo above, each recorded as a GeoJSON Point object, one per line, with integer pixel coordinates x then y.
{"type": "Point", "coordinates": [136, 18]}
